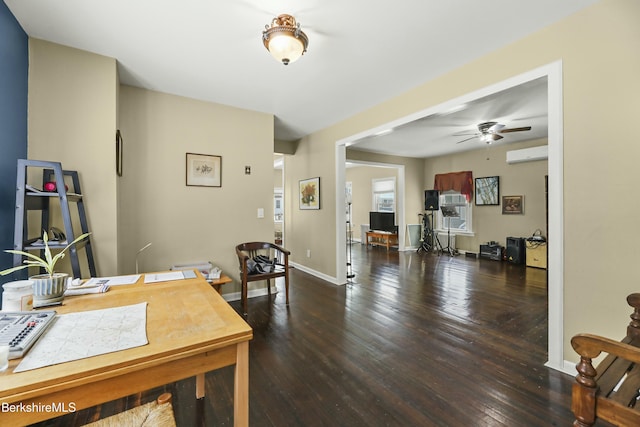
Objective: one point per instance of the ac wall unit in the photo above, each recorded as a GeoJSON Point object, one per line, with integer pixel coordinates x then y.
{"type": "Point", "coordinates": [528, 154]}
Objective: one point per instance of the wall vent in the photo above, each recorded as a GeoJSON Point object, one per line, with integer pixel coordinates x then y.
{"type": "Point", "coordinates": [528, 154]}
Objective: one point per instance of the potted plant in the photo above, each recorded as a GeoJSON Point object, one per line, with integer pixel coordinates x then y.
{"type": "Point", "coordinates": [47, 288]}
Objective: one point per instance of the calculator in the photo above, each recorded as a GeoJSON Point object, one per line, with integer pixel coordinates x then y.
{"type": "Point", "coordinates": [21, 329]}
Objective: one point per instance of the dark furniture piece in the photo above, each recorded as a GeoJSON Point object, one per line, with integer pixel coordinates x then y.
{"type": "Point", "coordinates": [248, 251]}
{"type": "Point", "coordinates": [515, 250]}
{"type": "Point", "coordinates": [610, 391]}
{"type": "Point", "coordinates": [491, 251]}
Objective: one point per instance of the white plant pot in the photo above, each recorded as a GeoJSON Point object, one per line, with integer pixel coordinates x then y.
{"type": "Point", "coordinates": [48, 290]}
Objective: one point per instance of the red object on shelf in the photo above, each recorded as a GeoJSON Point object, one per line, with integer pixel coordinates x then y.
{"type": "Point", "coordinates": [51, 186]}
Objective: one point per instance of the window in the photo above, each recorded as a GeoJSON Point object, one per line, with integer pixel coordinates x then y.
{"type": "Point", "coordinates": [384, 194]}
{"type": "Point", "coordinates": [278, 206]}
{"type": "Point", "coordinates": [460, 223]}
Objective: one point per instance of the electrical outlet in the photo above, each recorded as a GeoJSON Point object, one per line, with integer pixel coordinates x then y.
{"type": "Point", "coordinates": [308, 253]}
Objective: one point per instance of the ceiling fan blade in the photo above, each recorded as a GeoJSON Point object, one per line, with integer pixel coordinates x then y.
{"type": "Point", "coordinates": [515, 129]}
{"type": "Point", "coordinates": [495, 137]}
{"type": "Point", "coordinates": [468, 139]}
{"type": "Point", "coordinates": [464, 133]}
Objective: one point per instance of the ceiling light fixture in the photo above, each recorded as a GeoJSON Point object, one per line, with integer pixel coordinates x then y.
{"type": "Point", "coordinates": [490, 137]}
{"type": "Point", "coordinates": [284, 39]}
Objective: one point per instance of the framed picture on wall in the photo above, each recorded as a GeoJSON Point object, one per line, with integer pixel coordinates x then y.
{"type": "Point", "coordinates": [487, 191]}
{"type": "Point", "coordinates": [204, 170]}
{"type": "Point", "coordinates": [512, 205]}
{"type": "Point", "coordinates": [309, 193]}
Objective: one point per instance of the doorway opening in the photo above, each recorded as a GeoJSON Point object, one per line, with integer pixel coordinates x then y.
{"type": "Point", "coordinates": [555, 268]}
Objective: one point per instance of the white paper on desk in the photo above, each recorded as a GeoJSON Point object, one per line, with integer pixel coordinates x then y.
{"type": "Point", "coordinates": [84, 334]}
{"type": "Point", "coordinates": [111, 281]}
{"type": "Point", "coordinates": [163, 277]}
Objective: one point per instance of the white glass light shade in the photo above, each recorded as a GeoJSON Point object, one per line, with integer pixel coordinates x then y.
{"type": "Point", "coordinates": [284, 39]}
{"type": "Point", "coordinates": [285, 47]}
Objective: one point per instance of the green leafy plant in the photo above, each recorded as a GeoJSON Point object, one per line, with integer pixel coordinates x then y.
{"type": "Point", "coordinates": [49, 261]}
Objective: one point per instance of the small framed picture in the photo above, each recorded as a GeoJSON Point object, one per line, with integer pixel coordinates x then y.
{"type": "Point", "coordinates": [309, 193]}
{"type": "Point", "coordinates": [512, 205]}
{"type": "Point", "coordinates": [487, 191]}
{"type": "Point", "coordinates": [204, 170]}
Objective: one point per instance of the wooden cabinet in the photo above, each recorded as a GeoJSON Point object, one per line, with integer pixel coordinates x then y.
{"type": "Point", "coordinates": [378, 238]}
{"type": "Point", "coordinates": [536, 254]}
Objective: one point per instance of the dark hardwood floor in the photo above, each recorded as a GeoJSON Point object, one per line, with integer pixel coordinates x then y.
{"type": "Point", "coordinates": [416, 340]}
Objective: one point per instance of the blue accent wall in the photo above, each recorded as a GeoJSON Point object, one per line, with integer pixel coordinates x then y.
{"type": "Point", "coordinates": [14, 70]}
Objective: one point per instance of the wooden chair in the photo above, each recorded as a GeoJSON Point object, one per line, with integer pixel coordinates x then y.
{"type": "Point", "coordinates": [158, 413]}
{"type": "Point", "coordinates": [248, 251]}
{"type": "Point", "coordinates": [611, 391]}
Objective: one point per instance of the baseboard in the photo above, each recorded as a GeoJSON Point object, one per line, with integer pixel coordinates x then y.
{"type": "Point", "coordinates": [315, 273]}
{"type": "Point", "coordinates": [252, 293]}
{"type": "Point", "coordinates": [567, 367]}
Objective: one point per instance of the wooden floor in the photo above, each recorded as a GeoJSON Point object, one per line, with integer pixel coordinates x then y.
{"type": "Point", "coordinates": [416, 340]}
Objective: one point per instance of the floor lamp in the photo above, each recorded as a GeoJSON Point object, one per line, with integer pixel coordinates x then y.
{"type": "Point", "coordinates": [350, 274]}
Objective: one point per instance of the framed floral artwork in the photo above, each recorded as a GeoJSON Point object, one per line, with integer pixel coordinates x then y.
{"type": "Point", "coordinates": [309, 193]}
{"type": "Point", "coordinates": [204, 170]}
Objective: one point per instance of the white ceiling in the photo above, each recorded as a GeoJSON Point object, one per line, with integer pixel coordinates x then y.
{"type": "Point", "coordinates": [361, 52]}
{"type": "Point", "coordinates": [453, 131]}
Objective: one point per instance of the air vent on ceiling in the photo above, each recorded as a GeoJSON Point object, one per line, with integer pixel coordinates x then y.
{"type": "Point", "coordinates": [528, 154]}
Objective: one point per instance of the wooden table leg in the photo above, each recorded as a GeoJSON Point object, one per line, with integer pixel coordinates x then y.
{"type": "Point", "coordinates": [199, 386]}
{"type": "Point", "coordinates": [241, 386]}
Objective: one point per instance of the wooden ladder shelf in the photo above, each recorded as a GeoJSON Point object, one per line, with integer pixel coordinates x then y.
{"type": "Point", "coordinates": [39, 200]}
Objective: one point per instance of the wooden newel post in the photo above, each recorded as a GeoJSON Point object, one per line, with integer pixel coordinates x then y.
{"type": "Point", "coordinates": [633, 330]}
{"type": "Point", "coordinates": [584, 394]}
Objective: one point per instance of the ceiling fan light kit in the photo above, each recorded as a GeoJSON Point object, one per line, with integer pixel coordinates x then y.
{"type": "Point", "coordinates": [489, 132]}
{"type": "Point", "coordinates": [284, 39]}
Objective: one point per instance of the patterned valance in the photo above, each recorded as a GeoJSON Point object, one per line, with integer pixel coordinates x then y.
{"type": "Point", "coordinates": [457, 181]}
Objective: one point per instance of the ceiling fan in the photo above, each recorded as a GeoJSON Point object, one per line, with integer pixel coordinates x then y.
{"type": "Point", "coordinates": [490, 131]}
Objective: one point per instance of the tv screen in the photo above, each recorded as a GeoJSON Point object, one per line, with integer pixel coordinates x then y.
{"type": "Point", "coordinates": [382, 221]}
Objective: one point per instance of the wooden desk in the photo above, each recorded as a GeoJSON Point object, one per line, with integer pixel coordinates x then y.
{"type": "Point", "coordinates": [377, 238]}
{"type": "Point", "coordinates": [191, 330]}
{"type": "Point", "coordinates": [217, 283]}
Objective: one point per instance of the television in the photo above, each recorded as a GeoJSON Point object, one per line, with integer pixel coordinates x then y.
{"type": "Point", "coordinates": [383, 221]}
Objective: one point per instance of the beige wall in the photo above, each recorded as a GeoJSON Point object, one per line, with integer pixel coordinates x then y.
{"type": "Point", "coordinates": [488, 222]}
{"type": "Point", "coordinates": [599, 51]}
{"type": "Point", "coordinates": [312, 230]}
{"type": "Point", "coordinates": [526, 179]}
{"type": "Point", "coordinates": [361, 178]}
{"type": "Point", "coordinates": [187, 224]}
{"type": "Point", "coordinates": [72, 120]}
{"type": "Point", "coordinates": [413, 181]}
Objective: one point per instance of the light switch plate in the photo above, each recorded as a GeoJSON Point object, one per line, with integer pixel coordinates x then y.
{"type": "Point", "coordinates": [260, 212]}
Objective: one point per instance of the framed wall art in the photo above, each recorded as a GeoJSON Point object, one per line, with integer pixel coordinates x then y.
{"type": "Point", "coordinates": [119, 153]}
{"type": "Point", "coordinates": [512, 205]}
{"type": "Point", "coordinates": [309, 193]}
{"type": "Point", "coordinates": [487, 191]}
{"type": "Point", "coordinates": [204, 170]}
